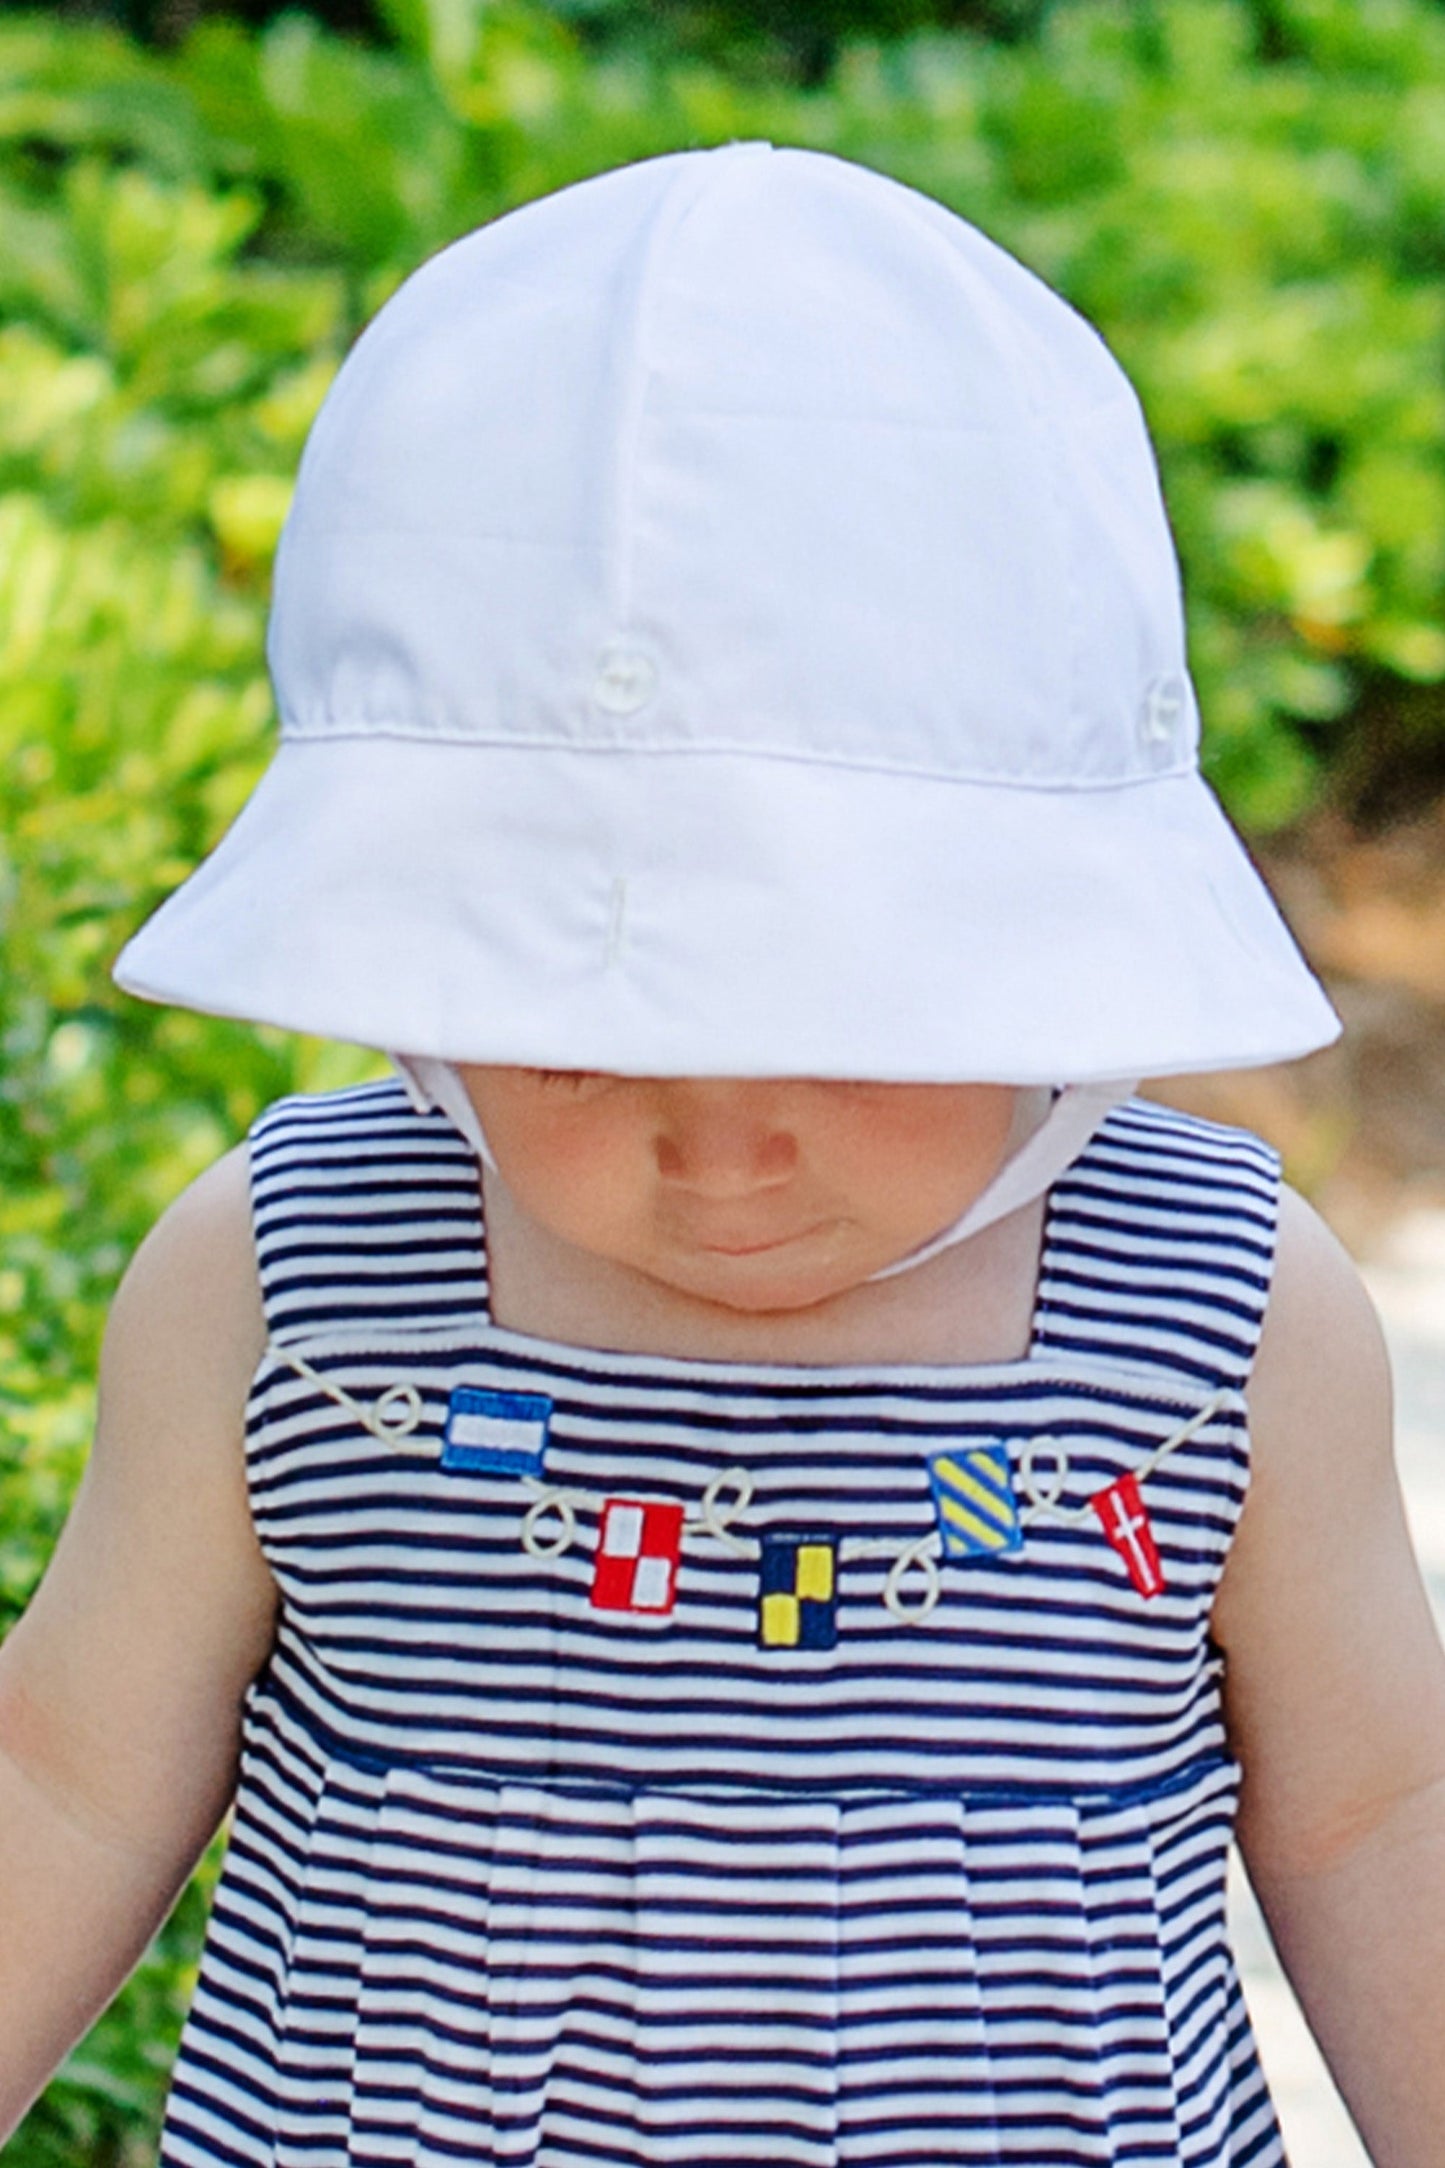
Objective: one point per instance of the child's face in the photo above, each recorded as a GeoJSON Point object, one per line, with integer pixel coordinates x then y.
{"type": "Point", "coordinates": [757, 1194]}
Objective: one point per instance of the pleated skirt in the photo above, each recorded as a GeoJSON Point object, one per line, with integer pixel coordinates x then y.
{"type": "Point", "coordinates": [411, 1966]}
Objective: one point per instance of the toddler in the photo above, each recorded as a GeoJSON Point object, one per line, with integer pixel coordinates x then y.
{"type": "Point", "coordinates": [740, 1528]}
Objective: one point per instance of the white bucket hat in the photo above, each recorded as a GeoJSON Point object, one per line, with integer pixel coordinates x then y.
{"type": "Point", "coordinates": [727, 625]}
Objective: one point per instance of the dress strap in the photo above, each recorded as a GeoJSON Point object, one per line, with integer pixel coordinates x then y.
{"type": "Point", "coordinates": [365, 1211]}
{"type": "Point", "coordinates": [1159, 1247]}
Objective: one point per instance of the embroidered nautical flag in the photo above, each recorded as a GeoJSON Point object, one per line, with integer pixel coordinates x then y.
{"type": "Point", "coordinates": [974, 1499]}
{"type": "Point", "coordinates": [798, 1592]}
{"type": "Point", "coordinates": [496, 1433]}
{"type": "Point", "coordinates": [638, 1546]}
{"type": "Point", "coordinates": [1126, 1524]}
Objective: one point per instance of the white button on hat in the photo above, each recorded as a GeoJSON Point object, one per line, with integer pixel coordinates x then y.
{"type": "Point", "coordinates": [1163, 708]}
{"type": "Point", "coordinates": [625, 681]}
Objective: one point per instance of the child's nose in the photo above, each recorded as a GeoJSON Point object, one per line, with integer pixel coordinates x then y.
{"type": "Point", "coordinates": [723, 1136]}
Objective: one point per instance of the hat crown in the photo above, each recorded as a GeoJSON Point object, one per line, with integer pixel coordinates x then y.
{"type": "Point", "coordinates": [744, 450]}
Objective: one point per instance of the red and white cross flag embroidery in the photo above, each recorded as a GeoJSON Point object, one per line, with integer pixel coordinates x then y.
{"type": "Point", "coordinates": [637, 1553]}
{"type": "Point", "coordinates": [1126, 1524]}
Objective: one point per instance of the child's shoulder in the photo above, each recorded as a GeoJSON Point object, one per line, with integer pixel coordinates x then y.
{"type": "Point", "coordinates": [1152, 1129]}
{"type": "Point", "coordinates": [1321, 1337]}
{"type": "Point", "coordinates": [193, 1282]}
{"type": "Point", "coordinates": [1319, 1313]}
{"type": "Point", "coordinates": [1319, 1320]}
{"type": "Point", "coordinates": [380, 1108]}
{"type": "Point", "coordinates": [196, 1273]}
{"type": "Point", "coordinates": [1323, 1484]}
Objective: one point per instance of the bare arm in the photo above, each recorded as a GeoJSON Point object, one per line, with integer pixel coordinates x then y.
{"type": "Point", "coordinates": [1335, 1693]}
{"type": "Point", "coordinates": [121, 1688]}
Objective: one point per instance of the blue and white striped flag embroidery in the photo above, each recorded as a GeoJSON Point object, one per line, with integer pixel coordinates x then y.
{"type": "Point", "coordinates": [496, 1433]}
{"type": "Point", "coordinates": [973, 1497]}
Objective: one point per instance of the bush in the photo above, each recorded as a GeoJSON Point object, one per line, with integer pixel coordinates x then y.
{"type": "Point", "coordinates": [189, 239]}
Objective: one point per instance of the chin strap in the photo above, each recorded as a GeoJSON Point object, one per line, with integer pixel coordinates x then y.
{"type": "Point", "coordinates": [432, 1083]}
{"type": "Point", "coordinates": [1030, 1169]}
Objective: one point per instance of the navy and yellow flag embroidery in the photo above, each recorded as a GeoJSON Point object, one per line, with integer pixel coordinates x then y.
{"type": "Point", "coordinates": [974, 1498]}
{"type": "Point", "coordinates": [798, 1592]}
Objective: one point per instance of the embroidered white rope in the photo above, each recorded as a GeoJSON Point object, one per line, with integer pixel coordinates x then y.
{"type": "Point", "coordinates": [551, 1500]}
{"type": "Point", "coordinates": [922, 1551]}
{"type": "Point", "coordinates": [716, 1519]}
{"type": "Point", "coordinates": [1043, 1496]}
{"type": "Point", "coordinates": [924, 1554]}
{"type": "Point", "coordinates": [380, 1418]}
{"type": "Point", "coordinates": [397, 1411]}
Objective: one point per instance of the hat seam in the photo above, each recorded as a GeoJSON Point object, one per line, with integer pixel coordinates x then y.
{"type": "Point", "coordinates": [331, 733]}
{"type": "Point", "coordinates": [967, 274]}
{"type": "Point", "coordinates": [690, 184]}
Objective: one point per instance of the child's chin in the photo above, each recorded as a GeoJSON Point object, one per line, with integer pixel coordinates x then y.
{"type": "Point", "coordinates": [756, 1287]}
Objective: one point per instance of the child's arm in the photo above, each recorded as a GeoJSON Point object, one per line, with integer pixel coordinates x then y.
{"type": "Point", "coordinates": [121, 1688]}
{"type": "Point", "coordinates": [1335, 1693]}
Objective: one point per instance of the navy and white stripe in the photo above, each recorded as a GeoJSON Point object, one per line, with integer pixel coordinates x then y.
{"type": "Point", "coordinates": [515, 1879]}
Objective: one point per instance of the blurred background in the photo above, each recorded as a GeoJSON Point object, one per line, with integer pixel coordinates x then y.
{"type": "Point", "coordinates": [199, 209]}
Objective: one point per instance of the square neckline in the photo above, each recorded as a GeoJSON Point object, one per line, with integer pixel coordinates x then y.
{"type": "Point", "coordinates": [570, 1355]}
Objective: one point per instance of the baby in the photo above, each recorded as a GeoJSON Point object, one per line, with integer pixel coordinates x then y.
{"type": "Point", "coordinates": [744, 1531]}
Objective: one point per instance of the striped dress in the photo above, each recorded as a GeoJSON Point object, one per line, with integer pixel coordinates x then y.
{"type": "Point", "coordinates": [675, 1761]}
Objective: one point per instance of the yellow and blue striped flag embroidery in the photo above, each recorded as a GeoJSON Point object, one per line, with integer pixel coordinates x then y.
{"type": "Point", "coordinates": [973, 1497]}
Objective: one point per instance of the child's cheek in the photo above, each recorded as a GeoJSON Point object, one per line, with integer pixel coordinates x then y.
{"type": "Point", "coordinates": [594, 1173]}
{"type": "Point", "coordinates": [922, 1138]}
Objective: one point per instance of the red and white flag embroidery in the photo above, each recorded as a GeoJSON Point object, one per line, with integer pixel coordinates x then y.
{"type": "Point", "coordinates": [1126, 1524]}
{"type": "Point", "coordinates": [637, 1553]}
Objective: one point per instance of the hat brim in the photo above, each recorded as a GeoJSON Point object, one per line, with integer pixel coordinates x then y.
{"type": "Point", "coordinates": [572, 909]}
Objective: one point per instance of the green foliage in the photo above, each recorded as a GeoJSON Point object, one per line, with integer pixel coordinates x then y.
{"type": "Point", "coordinates": [1250, 203]}
{"type": "Point", "coordinates": [798, 39]}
